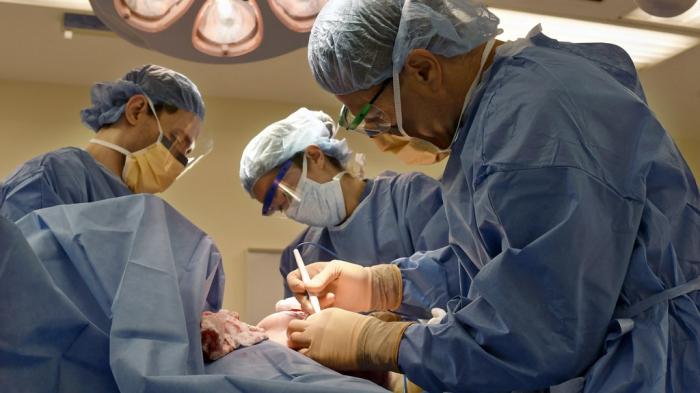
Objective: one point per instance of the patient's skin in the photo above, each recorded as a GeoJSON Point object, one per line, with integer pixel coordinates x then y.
{"type": "Point", "coordinates": [275, 325]}
{"type": "Point", "coordinates": [223, 331]}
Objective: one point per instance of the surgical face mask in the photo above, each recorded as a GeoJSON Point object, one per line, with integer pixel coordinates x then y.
{"type": "Point", "coordinates": [417, 151]}
{"type": "Point", "coordinates": [152, 169]}
{"type": "Point", "coordinates": [410, 150]}
{"type": "Point", "coordinates": [318, 205]}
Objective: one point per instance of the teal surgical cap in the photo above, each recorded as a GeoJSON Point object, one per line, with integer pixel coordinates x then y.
{"type": "Point", "coordinates": [161, 85]}
{"type": "Point", "coordinates": [281, 140]}
{"type": "Point", "coordinates": [355, 44]}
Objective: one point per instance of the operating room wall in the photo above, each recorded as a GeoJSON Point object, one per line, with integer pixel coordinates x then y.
{"type": "Point", "coordinates": [673, 92]}
{"type": "Point", "coordinates": [38, 117]}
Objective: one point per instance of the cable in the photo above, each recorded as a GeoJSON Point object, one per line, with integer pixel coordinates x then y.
{"type": "Point", "coordinates": [317, 245]}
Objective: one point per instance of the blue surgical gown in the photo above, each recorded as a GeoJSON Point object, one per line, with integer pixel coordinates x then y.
{"type": "Point", "coordinates": [578, 222]}
{"type": "Point", "coordinates": [400, 215]}
{"type": "Point", "coordinates": [107, 297]}
{"type": "Point", "coordinates": [61, 177]}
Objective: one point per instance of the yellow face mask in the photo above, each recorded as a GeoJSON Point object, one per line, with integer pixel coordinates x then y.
{"type": "Point", "coordinates": [410, 150]}
{"type": "Point", "coordinates": [152, 169]}
{"type": "Point", "coordinates": [149, 170]}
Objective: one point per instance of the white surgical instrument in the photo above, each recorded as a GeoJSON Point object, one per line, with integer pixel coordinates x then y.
{"type": "Point", "coordinates": [305, 278]}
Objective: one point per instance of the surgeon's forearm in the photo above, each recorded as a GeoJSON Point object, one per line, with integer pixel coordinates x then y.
{"type": "Point", "coordinates": [538, 312]}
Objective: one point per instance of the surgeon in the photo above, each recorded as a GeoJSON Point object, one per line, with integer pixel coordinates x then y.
{"type": "Point", "coordinates": [145, 128]}
{"type": "Point", "coordinates": [297, 167]}
{"type": "Point", "coordinates": [569, 206]}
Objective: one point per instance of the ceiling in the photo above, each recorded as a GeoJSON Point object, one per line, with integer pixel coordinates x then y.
{"type": "Point", "coordinates": [34, 49]}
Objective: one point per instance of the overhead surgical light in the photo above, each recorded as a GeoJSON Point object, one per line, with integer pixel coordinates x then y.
{"type": "Point", "coordinates": [280, 26]}
{"type": "Point", "coordinates": [151, 15]}
{"type": "Point", "coordinates": [297, 15]}
{"type": "Point", "coordinates": [212, 31]}
{"type": "Point", "coordinates": [665, 8]}
{"type": "Point", "coordinates": [150, 9]}
{"type": "Point", "coordinates": [228, 27]}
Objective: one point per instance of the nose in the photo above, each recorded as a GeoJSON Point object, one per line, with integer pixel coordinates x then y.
{"type": "Point", "coordinates": [183, 147]}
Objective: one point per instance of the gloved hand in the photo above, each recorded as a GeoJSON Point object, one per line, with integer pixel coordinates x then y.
{"type": "Point", "coordinates": [349, 286]}
{"type": "Point", "coordinates": [386, 316]}
{"type": "Point", "coordinates": [344, 340]}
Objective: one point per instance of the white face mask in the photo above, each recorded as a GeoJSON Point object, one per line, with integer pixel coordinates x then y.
{"type": "Point", "coordinates": [413, 150]}
{"type": "Point", "coordinates": [319, 205]}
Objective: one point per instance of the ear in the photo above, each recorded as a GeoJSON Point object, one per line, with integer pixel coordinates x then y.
{"type": "Point", "coordinates": [423, 69]}
{"type": "Point", "coordinates": [136, 107]}
{"type": "Point", "coordinates": [315, 157]}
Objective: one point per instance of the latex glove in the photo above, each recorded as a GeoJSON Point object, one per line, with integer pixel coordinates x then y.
{"type": "Point", "coordinates": [349, 286]}
{"type": "Point", "coordinates": [438, 314]}
{"type": "Point", "coordinates": [344, 340]}
{"type": "Point", "coordinates": [386, 316]}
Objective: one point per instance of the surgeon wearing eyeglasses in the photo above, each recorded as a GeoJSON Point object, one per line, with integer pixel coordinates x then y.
{"type": "Point", "coordinates": [296, 167]}
{"type": "Point", "coordinates": [148, 132]}
{"type": "Point", "coordinates": [575, 218]}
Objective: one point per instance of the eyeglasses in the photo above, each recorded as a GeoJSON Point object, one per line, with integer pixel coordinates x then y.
{"type": "Point", "coordinates": [378, 120]}
{"type": "Point", "coordinates": [279, 183]}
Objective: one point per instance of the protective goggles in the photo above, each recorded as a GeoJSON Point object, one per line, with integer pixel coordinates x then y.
{"type": "Point", "coordinates": [187, 152]}
{"type": "Point", "coordinates": [370, 120]}
{"type": "Point", "coordinates": [285, 182]}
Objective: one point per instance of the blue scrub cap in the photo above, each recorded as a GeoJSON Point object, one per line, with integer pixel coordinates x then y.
{"type": "Point", "coordinates": [356, 44]}
{"type": "Point", "coordinates": [160, 84]}
{"type": "Point", "coordinates": [281, 140]}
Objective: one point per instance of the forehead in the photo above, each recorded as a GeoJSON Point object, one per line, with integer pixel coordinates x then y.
{"type": "Point", "coordinates": [184, 121]}
{"type": "Point", "coordinates": [354, 101]}
{"type": "Point", "coordinates": [357, 98]}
